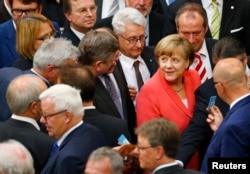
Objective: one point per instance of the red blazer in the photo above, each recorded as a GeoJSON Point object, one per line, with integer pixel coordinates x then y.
{"type": "Point", "coordinates": [158, 99]}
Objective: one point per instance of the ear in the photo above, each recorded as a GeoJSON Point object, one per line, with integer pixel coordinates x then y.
{"type": "Point", "coordinates": [40, 8]}
{"type": "Point", "coordinates": [68, 117]}
{"type": "Point", "coordinates": [33, 107]}
{"type": "Point", "coordinates": [245, 59]}
{"type": "Point", "coordinates": [68, 16]}
{"type": "Point", "coordinates": [97, 66]}
{"type": "Point", "coordinates": [206, 28]}
{"type": "Point", "coordinates": [160, 152]}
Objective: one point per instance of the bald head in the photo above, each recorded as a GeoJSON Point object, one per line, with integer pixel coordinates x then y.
{"type": "Point", "coordinates": [22, 91]}
{"type": "Point", "coordinates": [230, 71]}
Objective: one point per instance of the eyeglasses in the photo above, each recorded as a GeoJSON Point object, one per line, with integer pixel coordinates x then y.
{"type": "Point", "coordinates": [85, 11]}
{"type": "Point", "coordinates": [19, 12]}
{"type": "Point", "coordinates": [134, 40]}
{"type": "Point", "coordinates": [143, 148]}
{"type": "Point", "coordinates": [51, 115]}
{"type": "Point", "coordinates": [47, 37]}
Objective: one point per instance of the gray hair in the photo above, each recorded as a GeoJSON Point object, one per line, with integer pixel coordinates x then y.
{"type": "Point", "coordinates": [22, 91]}
{"type": "Point", "coordinates": [55, 52]}
{"type": "Point", "coordinates": [97, 45]}
{"type": "Point", "coordinates": [15, 158]}
{"type": "Point", "coordinates": [114, 157]}
{"type": "Point", "coordinates": [64, 97]}
{"type": "Point", "coordinates": [127, 16]}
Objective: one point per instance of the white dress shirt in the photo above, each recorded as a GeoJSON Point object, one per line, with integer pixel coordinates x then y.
{"type": "Point", "coordinates": [129, 71]}
{"type": "Point", "coordinates": [106, 5]}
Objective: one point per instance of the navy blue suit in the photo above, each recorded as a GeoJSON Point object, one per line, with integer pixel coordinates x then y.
{"type": "Point", "coordinates": [232, 138]}
{"type": "Point", "coordinates": [70, 35]}
{"type": "Point", "coordinates": [6, 75]}
{"type": "Point", "coordinates": [74, 151]}
{"type": "Point", "coordinates": [5, 16]}
{"type": "Point", "coordinates": [175, 169]}
{"type": "Point", "coordinates": [8, 53]}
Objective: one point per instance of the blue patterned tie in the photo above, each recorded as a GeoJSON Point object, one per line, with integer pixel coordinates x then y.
{"type": "Point", "coordinates": [53, 150]}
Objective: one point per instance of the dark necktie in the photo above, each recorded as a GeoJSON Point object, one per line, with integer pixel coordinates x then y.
{"type": "Point", "coordinates": [113, 93]}
{"type": "Point", "coordinates": [138, 74]}
{"type": "Point", "coordinates": [54, 149]}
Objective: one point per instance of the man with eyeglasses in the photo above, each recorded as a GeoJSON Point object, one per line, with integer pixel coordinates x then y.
{"type": "Point", "coordinates": [156, 27]}
{"type": "Point", "coordinates": [19, 8]}
{"type": "Point", "coordinates": [157, 147]}
{"type": "Point", "coordinates": [62, 113]}
{"type": "Point", "coordinates": [129, 25]}
{"type": "Point", "coordinates": [23, 100]}
{"type": "Point", "coordinates": [81, 17]}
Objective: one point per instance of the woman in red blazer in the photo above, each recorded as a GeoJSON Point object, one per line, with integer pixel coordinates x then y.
{"type": "Point", "coordinates": [170, 92]}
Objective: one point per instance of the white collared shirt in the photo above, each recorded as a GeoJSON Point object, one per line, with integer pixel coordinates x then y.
{"type": "Point", "coordinates": [207, 5]}
{"type": "Point", "coordinates": [147, 30]}
{"type": "Point", "coordinates": [106, 5]}
{"type": "Point", "coordinates": [77, 33]}
{"type": "Point", "coordinates": [177, 162]}
{"type": "Point", "coordinates": [26, 119]}
{"type": "Point", "coordinates": [237, 100]}
{"type": "Point", "coordinates": [47, 82]}
{"type": "Point", "coordinates": [205, 59]}
{"type": "Point", "coordinates": [7, 8]}
{"type": "Point", "coordinates": [59, 142]}
{"type": "Point", "coordinates": [129, 71]}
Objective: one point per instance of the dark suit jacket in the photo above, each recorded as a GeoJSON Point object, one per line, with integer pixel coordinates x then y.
{"type": "Point", "coordinates": [198, 133]}
{"type": "Point", "coordinates": [150, 60]}
{"type": "Point", "coordinates": [74, 151]}
{"type": "Point", "coordinates": [111, 127]}
{"type": "Point", "coordinates": [5, 16]}
{"type": "Point", "coordinates": [8, 53]}
{"type": "Point", "coordinates": [160, 6]}
{"type": "Point", "coordinates": [157, 27]}
{"type": "Point", "coordinates": [232, 138]}
{"type": "Point", "coordinates": [69, 34]}
{"type": "Point", "coordinates": [99, 10]}
{"type": "Point", "coordinates": [235, 19]}
{"type": "Point", "coordinates": [176, 169]}
{"type": "Point", "coordinates": [105, 104]}
{"type": "Point", "coordinates": [22, 63]}
{"type": "Point", "coordinates": [54, 11]}
{"type": "Point", "coordinates": [210, 43]}
{"type": "Point", "coordinates": [6, 75]}
{"type": "Point", "coordinates": [38, 143]}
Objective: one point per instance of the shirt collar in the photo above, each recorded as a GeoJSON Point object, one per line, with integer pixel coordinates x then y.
{"type": "Point", "coordinates": [237, 100]}
{"type": "Point", "coordinates": [26, 119]}
{"type": "Point", "coordinates": [165, 165]}
{"type": "Point", "coordinates": [77, 33]}
{"type": "Point", "coordinates": [59, 142]}
{"type": "Point", "coordinates": [130, 61]}
{"type": "Point", "coordinates": [203, 49]}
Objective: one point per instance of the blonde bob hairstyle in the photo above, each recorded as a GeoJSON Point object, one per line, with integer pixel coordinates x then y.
{"type": "Point", "coordinates": [27, 31]}
{"type": "Point", "coordinates": [175, 43]}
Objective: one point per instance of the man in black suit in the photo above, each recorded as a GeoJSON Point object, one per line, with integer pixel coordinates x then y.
{"type": "Point", "coordinates": [99, 52]}
{"type": "Point", "coordinates": [130, 25]}
{"type": "Point", "coordinates": [5, 11]}
{"type": "Point", "coordinates": [81, 17]}
{"type": "Point", "coordinates": [82, 78]}
{"type": "Point", "coordinates": [156, 23]}
{"type": "Point", "coordinates": [192, 24]}
{"type": "Point", "coordinates": [198, 134]}
{"type": "Point", "coordinates": [157, 147]}
{"type": "Point", "coordinates": [22, 96]}
{"type": "Point", "coordinates": [235, 19]}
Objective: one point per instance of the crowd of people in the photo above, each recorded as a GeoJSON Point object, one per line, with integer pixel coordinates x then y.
{"type": "Point", "coordinates": [75, 75]}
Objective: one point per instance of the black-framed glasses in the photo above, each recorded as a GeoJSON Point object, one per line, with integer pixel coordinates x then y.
{"type": "Point", "coordinates": [46, 117]}
{"type": "Point", "coordinates": [47, 37]}
{"type": "Point", "coordinates": [19, 12]}
{"type": "Point", "coordinates": [134, 40]}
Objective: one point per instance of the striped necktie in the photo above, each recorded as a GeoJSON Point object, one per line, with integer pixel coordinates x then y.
{"type": "Point", "coordinates": [200, 68]}
{"type": "Point", "coordinates": [215, 25]}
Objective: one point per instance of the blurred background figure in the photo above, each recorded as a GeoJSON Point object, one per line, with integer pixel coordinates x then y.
{"type": "Point", "coordinates": [15, 158]}
{"type": "Point", "coordinates": [104, 160]}
{"type": "Point", "coordinates": [31, 32]}
{"type": "Point", "coordinates": [170, 92]}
